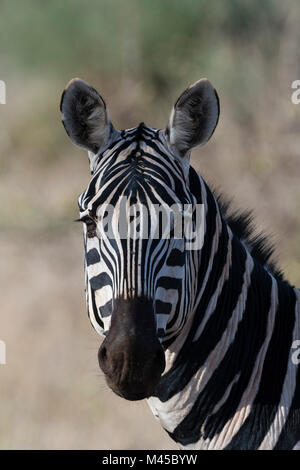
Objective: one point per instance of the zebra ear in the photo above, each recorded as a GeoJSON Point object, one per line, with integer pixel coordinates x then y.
{"type": "Point", "coordinates": [194, 117]}
{"type": "Point", "coordinates": [84, 116]}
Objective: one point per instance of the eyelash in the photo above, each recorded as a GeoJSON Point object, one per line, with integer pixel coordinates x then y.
{"type": "Point", "coordinates": [90, 225]}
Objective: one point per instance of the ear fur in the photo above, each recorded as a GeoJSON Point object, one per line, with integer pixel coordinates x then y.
{"type": "Point", "coordinates": [194, 117]}
{"type": "Point", "coordinates": [84, 116]}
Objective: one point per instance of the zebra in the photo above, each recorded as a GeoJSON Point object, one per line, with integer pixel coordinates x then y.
{"type": "Point", "coordinates": [208, 336]}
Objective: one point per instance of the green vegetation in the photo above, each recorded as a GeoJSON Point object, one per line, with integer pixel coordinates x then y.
{"type": "Point", "coordinates": [141, 54]}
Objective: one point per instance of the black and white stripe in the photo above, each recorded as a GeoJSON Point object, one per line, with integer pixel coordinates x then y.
{"type": "Point", "coordinates": [226, 318]}
{"type": "Point", "coordinates": [233, 384]}
{"type": "Point", "coordinates": [230, 325]}
{"type": "Point", "coordinates": [135, 167]}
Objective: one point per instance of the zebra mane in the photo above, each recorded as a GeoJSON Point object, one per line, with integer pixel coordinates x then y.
{"type": "Point", "coordinates": [242, 225]}
{"type": "Point", "coordinates": [241, 222]}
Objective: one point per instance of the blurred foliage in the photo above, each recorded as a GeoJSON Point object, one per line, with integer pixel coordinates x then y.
{"type": "Point", "coordinates": [160, 42]}
{"type": "Point", "coordinates": [163, 44]}
{"type": "Point", "coordinates": [141, 54]}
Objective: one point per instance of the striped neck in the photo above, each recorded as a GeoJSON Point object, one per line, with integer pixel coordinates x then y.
{"type": "Point", "coordinates": [232, 361]}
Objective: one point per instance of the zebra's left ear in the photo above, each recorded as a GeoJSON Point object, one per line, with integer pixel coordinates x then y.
{"type": "Point", "coordinates": [194, 117]}
{"type": "Point", "coordinates": [85, 117]}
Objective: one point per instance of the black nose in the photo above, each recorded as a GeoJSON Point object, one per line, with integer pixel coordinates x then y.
{"type": "Point", "coordinates": [132, 365]}
{"type": "Point", "coordinates": [131, 355]}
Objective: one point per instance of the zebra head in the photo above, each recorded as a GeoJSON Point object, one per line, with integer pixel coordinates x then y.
{"type": "Point", "coordinates": [140, 277]}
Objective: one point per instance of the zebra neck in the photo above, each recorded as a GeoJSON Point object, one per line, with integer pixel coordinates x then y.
{"type": "Point", "coordinates": [231, 363]}
{"type": "Point", "coordinates": [215, 274]}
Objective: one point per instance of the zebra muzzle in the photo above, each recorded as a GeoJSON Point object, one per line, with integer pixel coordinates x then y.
{"type": "Point", "coordinates": [131, 355]}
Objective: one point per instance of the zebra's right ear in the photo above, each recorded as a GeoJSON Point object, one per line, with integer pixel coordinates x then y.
{"type": "Point", "coordinates": [194, 117]}
{"type": "Point", "coordinates": [85, 117]}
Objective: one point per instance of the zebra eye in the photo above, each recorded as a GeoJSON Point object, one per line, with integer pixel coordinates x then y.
{"type": "Point", "coordinates": [90, 226]}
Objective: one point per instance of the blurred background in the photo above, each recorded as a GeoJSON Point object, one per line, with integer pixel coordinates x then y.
{"type": "Point", "coordinates": [140, 55]}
